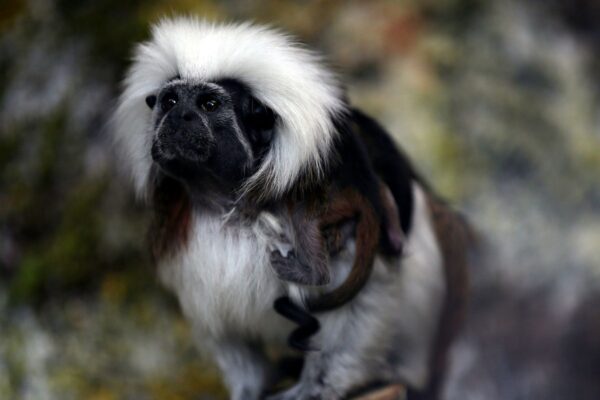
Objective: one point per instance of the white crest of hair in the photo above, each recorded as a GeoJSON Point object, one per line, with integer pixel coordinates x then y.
{"type": "Point", "coordinates": [280, 73]}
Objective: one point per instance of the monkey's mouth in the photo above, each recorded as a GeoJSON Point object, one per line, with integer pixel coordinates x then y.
{"type": "Point", "coordinates": [178, 160]}
{"type": "Point", "coordinates": [171, 147]}
{"type": "Point", "coordinates": [195, 156]}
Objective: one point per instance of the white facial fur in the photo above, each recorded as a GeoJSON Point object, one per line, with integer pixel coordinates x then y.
{"type": "Point", "coordinates": [280, 73]}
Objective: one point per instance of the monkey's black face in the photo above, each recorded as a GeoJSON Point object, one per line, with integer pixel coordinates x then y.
{"type": "Point", "coordinates": [209, 132]}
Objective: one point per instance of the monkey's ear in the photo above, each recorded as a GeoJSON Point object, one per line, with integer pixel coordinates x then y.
{"type": "Point", "coordinates": [393, 236]}
{"type": "Point", "coordinates": [151, 101]}
{"type": "Point", "coordinates": [259, 121]}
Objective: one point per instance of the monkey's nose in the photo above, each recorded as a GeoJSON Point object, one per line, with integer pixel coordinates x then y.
{"type": "Point", "coordinates": [189, 116]}
{"type": "Point", "coordinates": [184, 115]}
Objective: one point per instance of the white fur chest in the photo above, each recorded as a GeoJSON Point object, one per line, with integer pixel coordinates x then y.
{"type": "Point", "coordinates": [223, 278]}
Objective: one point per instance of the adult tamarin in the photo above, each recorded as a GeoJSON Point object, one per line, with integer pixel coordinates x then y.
{"type": "Point", "coordinates": [230, 130]}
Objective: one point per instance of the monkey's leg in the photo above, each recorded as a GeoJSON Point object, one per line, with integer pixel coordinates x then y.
{"type": "Point", "coordinates": [313, 384]}
{"type": "Point", "coordinates": [354, 344]}
{"type": "Point", "coordinates": [351, 206]}
{"type": "Point", "coordinates": [245, 369]}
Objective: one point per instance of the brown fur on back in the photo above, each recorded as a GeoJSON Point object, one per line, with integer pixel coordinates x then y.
{"type": "Point", "coordinates": [456, 239]}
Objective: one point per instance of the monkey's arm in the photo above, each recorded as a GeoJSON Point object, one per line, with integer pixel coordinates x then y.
{"type": "Point", "coordinates": [346, 205]}
{"type": "Point", "coordinates": [350, 204]}
{"type": "Point", "coordinates": [246, 370]}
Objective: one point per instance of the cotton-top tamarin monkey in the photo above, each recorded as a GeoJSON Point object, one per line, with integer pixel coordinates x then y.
{"type": "Point", "coordinates": [267, 184]}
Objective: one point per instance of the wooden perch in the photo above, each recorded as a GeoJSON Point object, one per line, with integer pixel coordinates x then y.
{"type": "Point", "coordinates": [391, 392]}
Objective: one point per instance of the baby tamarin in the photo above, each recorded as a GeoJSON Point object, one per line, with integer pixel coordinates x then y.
{"type": "Point", "coordinates": [322, 230]}
{"type": "Point", "coordinates": [322, 227]}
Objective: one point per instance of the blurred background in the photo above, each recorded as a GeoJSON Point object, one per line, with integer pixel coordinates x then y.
{"type": "Point", "coordinates": [496, 102]}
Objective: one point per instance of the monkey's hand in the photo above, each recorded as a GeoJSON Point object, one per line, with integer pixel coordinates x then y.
{"type": "Point", "coordinates": [337, 235]}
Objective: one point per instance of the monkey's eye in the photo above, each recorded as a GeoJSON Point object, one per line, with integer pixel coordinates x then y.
{"type": "Point", "coordinates": [209, 104]}
{"type": "Point", "coordinates": [169, 100]}
{"type": "Point", "coordinates": [151, 101]}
